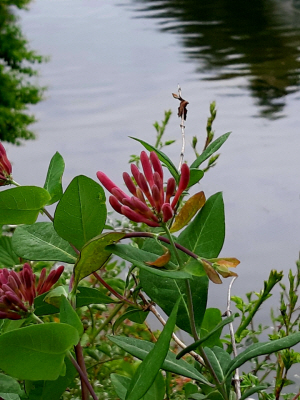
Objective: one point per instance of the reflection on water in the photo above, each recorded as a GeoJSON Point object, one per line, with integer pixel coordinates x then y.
{"type": "Point", "coordinates": [257, 39]}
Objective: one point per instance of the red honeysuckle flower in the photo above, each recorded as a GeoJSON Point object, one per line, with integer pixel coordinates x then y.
{"type": "Point", "coordinates": [18, 290]}
{"type": "Point", "coordinates": [5, 168]}
{"type": "Point", "coordinates": [149, 203]}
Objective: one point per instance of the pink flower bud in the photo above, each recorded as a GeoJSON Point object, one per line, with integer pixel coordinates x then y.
{"type": "Point", "coordinates": [171, 185]}
{"type": "Point", "coordinates": [156, 197]}
{"type": "Point", "coordinates": [183, 183]}
{"type": "Point", "coordinates": [140, 195]}
{"type": "Point", "coordinates": [5, 167]}
{"type": "Point", "coordinates": [9, 315]}
{"type": "Point", "coordinates": [135, 172]}
{"type": "Point", "coordinates": [41, 279]}
{"type": "Point", "coordinates": [167, 212]}
{"type": "Point", "coordinates": [147, 168]}
{"type": "Point", "coordinates": [144, 186]}
{"type": "Point", "coordinates": [115, 204]}
{"type": "Point", "coordinates": [119, 194]}
{"type": "Point", "coordinates": [143, 208]}
{"type": "Point", "coordinates": [128, 182]}
{"type": "Point", "coordinates": [106, 182]}
{"type": "Point", "coordinates": [16, 301]}
{"type": "Point", "coordinates": [134, 216]}
{"type": "Point", "coordinates": [156, 164]}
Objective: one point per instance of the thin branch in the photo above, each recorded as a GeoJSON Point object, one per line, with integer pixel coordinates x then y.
{"type": "Point", "coordinates": [83, 377]}
{"type": "Point", "coordinates": [236, 377]}
{"type": "Point", "coordinates": [112, 291]}
{"type": "Point", "coordinates": [182, 134]}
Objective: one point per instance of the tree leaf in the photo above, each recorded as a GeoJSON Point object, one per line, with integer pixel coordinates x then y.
{"type": "Point", "coordinates": [165, 292]}
{"type": "Point", "coordinates": [8, 257]}
{"type": "Point", "coordinates": [53, 390]}
{"type": "Point", "coordinates": [195, 176]}
{"type": "Point", "coordinates": [208, 334]}
{"type": "Point", "coordinates": [205, 234]}
{"type": "Point", "coordinates": [36, 352]}
{"type": "Point", "coordinates": [163, 158]}
{"type": "Point", "coordinates": [86, 296]}
{"type": "Point", "coordinates": [68, 315]}
{"type": "Point", "coordinates": [40, 241]}
{"type": "Point", "coordinates": [259, 349]}
{"type": "Point", "coordinates": [21, 205]}
{"type": "Point", "coordinates": [252, 391]}
{"type": "Point", "coordinates": [139, 258]}
{"type": "Point", "coordinates": [140, 348]}
{"type": "Point", "coordinates": [53, 183]}
{"type": "Point", "coordinates": [9, 385]}
{"type": "Point", "coordinates": [93, 255]}
{"type": "Point", "coordinates": [188, 211]}
{"type": "Point", "coordinates": [81, 213]}
{"type": "Point", "coordinates": [149, 368]}
{"type": "Point", "coordinates": [136, 315]}
{"type": "Point", "coordinates": [211, 149]}
{"type": "Point", "coordinates": [156, 391]}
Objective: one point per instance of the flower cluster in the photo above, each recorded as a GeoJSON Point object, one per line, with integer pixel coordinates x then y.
{"type": "Point", "coordinates": [5, 168]}
{"type": "Point", "coordinates": [18, 290]}
{"type": "Point", "coordinates": [150, 202]}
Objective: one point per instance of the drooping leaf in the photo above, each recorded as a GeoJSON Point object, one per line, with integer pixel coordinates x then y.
{"type": "Point", "coordinates": [162, 260]}
{"type": "Point", "coordinates": [211, 149]}
{"type": "Point", "coordinates": [53, 183]}
{"type": "Point", "coordinates": [81, 213]}
{"type": "Point", "coordinates": [40, 241]}
{"type": "Point", "coordinates": [93, 255]}
{"type": "Point", "coordinates": [21, 205]}
{"type": "Point", "coordinates": [205, 234]}
{"type": "Point", "coordinates": [140, 348]}
{"type": "Point", "coordinates": [163, 158]}
{"type": "Point", "coordinates": [53, 390]}
{"type": "Point", "coordinates": [188, 211]}
{"type": "Point", "coordinates": [140, 257]}
{"type": "Point", "coordinates": [36, 352]}
{"type": "Point", "coordinates": [149, 368]}
{"type": "Point", "coordinates": [259, 349]}
{"type": "Point", "coordinates": [8, 257]}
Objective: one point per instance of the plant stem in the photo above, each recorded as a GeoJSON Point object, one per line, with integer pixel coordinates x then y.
{"type": "Point", "coordinates": [107, 321]}
{"type": "Point", "coordinates": [112, 291]}
{"type": "Point", "coordinates": [81, 364]}
{"type": "Point", "coordinates": [83, 377]}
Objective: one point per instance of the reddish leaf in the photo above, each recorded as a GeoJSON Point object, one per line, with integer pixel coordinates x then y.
{"type": "Point", "coordinates": [162, 260]}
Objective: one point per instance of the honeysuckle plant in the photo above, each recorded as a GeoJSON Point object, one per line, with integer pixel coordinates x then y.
{"type": "Point", "coordinates": [54, 328]}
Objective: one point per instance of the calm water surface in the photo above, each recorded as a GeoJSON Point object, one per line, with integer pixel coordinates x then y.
{"type": "Point", "coordinates": [112, 69]}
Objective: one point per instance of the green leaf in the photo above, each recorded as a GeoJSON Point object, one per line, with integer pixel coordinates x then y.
{"type": "Point", "coordinates": [252, 391]}
{"type": "Point", "coordinates": [195, 176]}
{"type": "Point", "coordinates": [43, 308]}
{"type": "Point", "coordinates": [40, 241]}
{"type": "Point", "coordinates": [21, 205]}
{"type": "Point", "coordinates": [53, 183]}
{"type": "Point", "coordinates": [37, 352]}
{"type": "Point", "coordinates": [135, 315]}
{"type": "Point", "coordinates": [9, 386]}
{"type": "Point", "coordinates": [8, 257]}
{"type": "Point", "coordinates": [121, 384]}
{"type": "Point", "coordinates": [81, 213]}
{"type": "Point", "coordinates": [211, 149]}
{"type": "Point", "coordinates": [149, 368]}
{"type": "Point", "coordinates": [165, 292]}
{"type": "Point", "coordinates": [93, 255]}
{"type": "Point", "coordinates": [210, 332]}
{"type": "Point", "coordinates": [141, 348]}
{"type": "Point", "coordinates": [205, 234]}
{"type": "Point", "coordinates": [69, 316]}
{"type": "Point", "coordinates": [86, 296]}
{"type": "Point", "coordinates": [259, 349]}
{"type": "Point", "coordinates": [163, 158]}
{"type": "Point", "coordinates": [215, 363]}
{"type": "Point", "coordinates": [53, 390]}
{"type": "Point", "coordinates": [139, 257]}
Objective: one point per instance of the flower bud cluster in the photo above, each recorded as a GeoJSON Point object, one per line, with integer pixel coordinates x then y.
{"type": "Point", "coordinates": [5, 168]}
{"type": "Point", "coordinates": [18, 290]}
{"type": "Point", "coordinates": [150, 202]}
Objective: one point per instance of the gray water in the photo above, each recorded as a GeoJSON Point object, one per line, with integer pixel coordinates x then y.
{"type": "Point", "coordinates": [112, 69]}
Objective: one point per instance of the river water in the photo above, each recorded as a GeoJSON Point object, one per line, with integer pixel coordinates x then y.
{"type": "Point", "coordinates": [112, 69]}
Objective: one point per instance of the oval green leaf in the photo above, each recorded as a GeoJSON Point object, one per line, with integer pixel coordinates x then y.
{"type": "Point", "coordinates": [36, 352]}
{"type": "Point", "coordinates": [21, 205]}
{"type": "Point", "coordinates": [53, 183]}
